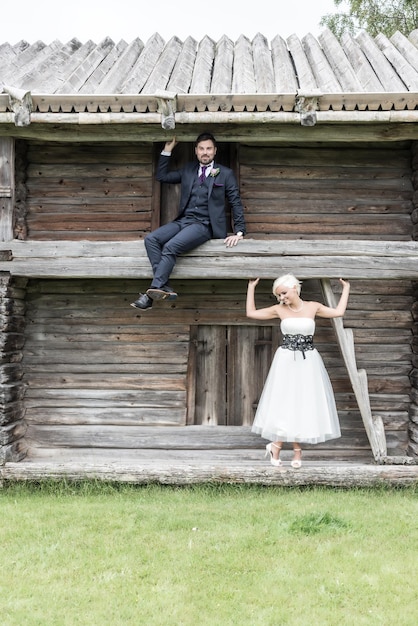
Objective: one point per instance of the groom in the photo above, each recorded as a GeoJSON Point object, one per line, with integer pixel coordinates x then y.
{"type": "Point", "coordinates": [205, 187]}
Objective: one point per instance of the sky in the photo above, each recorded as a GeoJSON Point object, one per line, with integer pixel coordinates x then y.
{"type": "Point", "coordinates": [128, 19]}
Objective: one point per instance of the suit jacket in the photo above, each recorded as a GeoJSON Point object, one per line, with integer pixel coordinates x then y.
{"type": "Point", "coordinates": [221, 187]}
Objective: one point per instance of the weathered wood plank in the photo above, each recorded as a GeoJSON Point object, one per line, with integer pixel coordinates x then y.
{"type": "Point", "coordinates": [38, 77]}
{"type": "Point", "coordinates": [308, 260]}
{"type": "Point", "coordinates": [202, 71]}
{"type": "Point", "coordinates": [62, 71]}
{"type": "Point", "coordinates": [243, 69]}
{"type": "Point", "coordinates": [10, 433]}
{"type": "Point", "coordinates": [120, 154]}
{"type": "Point", "coordinates": [322, 70]}
{"type": "Point", "coordinates": [384, 70]}
{"type": "Point", "coordinates": [41, 169]}
{"type": "Point", "coordinates": [210, 397]}
{"type": "Point", "coordinates": [306, 78]}
{"type": "Point", "coordinates": [181, 77]}
{"type": "Point", "coordinates": [281, 101]}
{"type": "Point", "coordinates": [378, 126]}
{"type": "Point", "coordinates": [263, 65]}
{"type": "Point", "coordinates": [134, 80]}
{"type": "Point", "coordinates": [7, 187]}
{"type": "Point", "coordinates": [120, 416]}
{"type": "Point", "coordinates": [406, 48]}
{"type": "Point", "coordinates": [157, 437]}
{"type": "Point", "coordinates": [187, 473]}
{"type": "Point", "coordinates": [90, 380]}
{"type": "Point", "coordinates": [222, 67]}
{"type": "Point", "coordinates": [329, 175]}
{"type": "Point", "coordinates": [407, 73]}
{"type": "Point", "coordinates": [284, 74]}
{"type": "Point", "coordinates": [75, 76]}
{"type": "Point", "coordinates": [162, 69]}
{"type": "Point", "coordinates": [215, 248]}
{"type": "Point", "coordinates": [234, 267]}
{"type": "Point", "coordinates": [339, 62]}
{"type": "Point", "coordinates": [105, 397]}
{"type": "Point", "coordinates": [115, 77]}
{"type": "Point", "coordinates": [397, 158]}
{"type": "Point", "coordinates": [219, 455]}
{"type": "Point", "coordinates": [28, 61]}
{"type": "Point", "coordinates": [92, 81]}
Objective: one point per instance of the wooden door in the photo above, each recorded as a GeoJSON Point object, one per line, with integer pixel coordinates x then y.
{"type": "Point", "coordinates": [228, 366]}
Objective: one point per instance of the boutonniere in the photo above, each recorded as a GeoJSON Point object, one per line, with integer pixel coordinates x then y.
{"type": "Point", "coordinates": [214, 172]}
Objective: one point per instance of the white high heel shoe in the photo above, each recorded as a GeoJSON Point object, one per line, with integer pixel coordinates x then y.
{"type": "Point", "coordinates": [297, 463]}
{"type": "Point", "coordinates": [269, 451]}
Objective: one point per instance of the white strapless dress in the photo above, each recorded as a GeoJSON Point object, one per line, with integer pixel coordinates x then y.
{"type": "Point", "coordinates": [297, 402]}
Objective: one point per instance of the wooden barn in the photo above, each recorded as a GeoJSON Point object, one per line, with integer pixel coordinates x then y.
{"type": "Point", "coordinates": [323, 137]}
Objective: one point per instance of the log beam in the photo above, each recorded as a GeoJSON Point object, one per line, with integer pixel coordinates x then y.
{"type": "Point", "coordinates": [306, 259]}
{"type": "Point", "coordinates": [190, 473]}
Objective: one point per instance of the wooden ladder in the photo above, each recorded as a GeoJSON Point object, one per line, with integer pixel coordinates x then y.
{"type": "Point", "coordinates": [373, 424]}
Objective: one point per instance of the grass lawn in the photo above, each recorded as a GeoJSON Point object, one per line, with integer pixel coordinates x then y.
{"type": "Point", "coordinates": [95, 554]}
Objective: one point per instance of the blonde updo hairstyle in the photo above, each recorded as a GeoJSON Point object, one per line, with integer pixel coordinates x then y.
{"type": "Point", "coordinates": [287, 280]}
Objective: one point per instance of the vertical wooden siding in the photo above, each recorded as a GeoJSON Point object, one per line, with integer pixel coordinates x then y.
{"type": "Point", "coordinates": [7, 187]}
{"type": "Point", "coordinates": [345, 192]}
{"type": "Point", "coordinates": [93, 192]}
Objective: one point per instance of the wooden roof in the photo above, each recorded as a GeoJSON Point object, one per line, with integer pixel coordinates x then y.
{"type": "Point", "coordinates": [258, 89]}
{"type": "Point", "coordinates": [354, 73]}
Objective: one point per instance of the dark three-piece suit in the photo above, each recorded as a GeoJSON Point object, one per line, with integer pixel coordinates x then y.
{"type": "Point", "coordinates": [201, 216]}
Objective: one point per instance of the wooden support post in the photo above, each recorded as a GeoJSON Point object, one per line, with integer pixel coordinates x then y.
{"type": "Point", "coordinates": [7, 187]}
{"type": "Point", "coordinates": [358, 378]}
{"type": "Point", "coordinates": [167, 107]}
{"type": "Point", "coordinates": [307, 105]}
{"type": "Point", "coordinates": [21, 104]}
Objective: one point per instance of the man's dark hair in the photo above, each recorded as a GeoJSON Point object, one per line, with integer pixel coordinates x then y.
{"type": "Point", "coordinates": [206, 137]}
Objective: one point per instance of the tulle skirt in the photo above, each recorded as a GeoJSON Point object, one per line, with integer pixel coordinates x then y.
{"type": "Point", "coordinates": [297, 402]}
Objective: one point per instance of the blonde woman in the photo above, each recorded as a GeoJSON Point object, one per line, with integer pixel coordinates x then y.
{"type": "Point", "coordinates": [297, 404]}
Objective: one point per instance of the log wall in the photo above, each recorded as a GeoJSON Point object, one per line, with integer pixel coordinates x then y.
{"type": "Point", "coordinates": [107, 191]}
{"type": "Point", "coordinates": [12, 409]}
{"type": "Point", "coordinates": [413, 425]}
{"type": "Point", "coordinates": [95, 192]}
{"type": "Point", "coordinates": [98, 370]}
{"type": "Point", "coordinates": [359, 191]}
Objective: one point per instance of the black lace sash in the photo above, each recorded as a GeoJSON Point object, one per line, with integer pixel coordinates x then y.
{"type": "Point", "coordinates": [298, 342]}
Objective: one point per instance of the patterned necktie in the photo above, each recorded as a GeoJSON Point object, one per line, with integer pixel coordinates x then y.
{"type": "Point", "coordinates": [203, 174]}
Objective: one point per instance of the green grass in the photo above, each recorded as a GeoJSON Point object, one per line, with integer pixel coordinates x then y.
{"type": "Point", "coordinates": [100, 554]}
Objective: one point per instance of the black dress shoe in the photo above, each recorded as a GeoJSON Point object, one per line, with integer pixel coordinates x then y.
{"type": "Point", "coordinates": [144, 302]}
{"type": "Point", "coordinates": [161, 293]}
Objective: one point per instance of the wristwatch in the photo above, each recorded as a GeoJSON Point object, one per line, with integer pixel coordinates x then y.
{"type": "Point", "coordinates": [240, 233]}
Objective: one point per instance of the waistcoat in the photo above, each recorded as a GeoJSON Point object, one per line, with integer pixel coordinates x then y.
{"type": "Point", "coordinates": [197, 208]}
